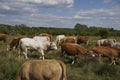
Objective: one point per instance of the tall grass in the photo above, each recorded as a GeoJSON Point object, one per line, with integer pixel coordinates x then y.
{"type": "Point", "coordinates": [87, 68]}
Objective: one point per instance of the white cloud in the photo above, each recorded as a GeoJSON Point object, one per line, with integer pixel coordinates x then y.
{"type": "Point", "coordinates": [6, 7]}
{"type": "Point", "coordinates": [50, 3]}
{"type": "Point", "coordinates": [97, 13]}
{"type": "Point", "coordinates": [51, 13]}
{"type": "Point", "coordinates": [2, 15]}
{"type": "Point", "coordinates": [107, 1]}
{"type": "Point", "coordinates": [100, 17]}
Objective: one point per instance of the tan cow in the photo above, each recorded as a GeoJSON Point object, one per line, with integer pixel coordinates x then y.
{"type": "Point", "coordinates": [106, 51]}
{"type": "Point", "coordinates": [42, 70]}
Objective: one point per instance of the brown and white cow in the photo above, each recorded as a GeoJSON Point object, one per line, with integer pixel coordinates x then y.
{"type": "Point", "coordinates": [14, 43]}
{"type": "Point", "coordinates": [106, 51]}
{"type": "Point", "coordinates": [3, 37]}
{"type": "Point", "coordinates": [42, 70]}
{"type": "Point", "coordinates": [106, 42]}
{"type": "Point", "coordinates": [74, 50]}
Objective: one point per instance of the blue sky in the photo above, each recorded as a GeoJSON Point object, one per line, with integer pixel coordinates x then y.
{"type": "Point", "coordinates": [61, 13]}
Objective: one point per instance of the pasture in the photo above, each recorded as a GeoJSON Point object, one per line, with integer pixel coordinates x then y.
{"type": "Point", "coordinates": [87, 68]}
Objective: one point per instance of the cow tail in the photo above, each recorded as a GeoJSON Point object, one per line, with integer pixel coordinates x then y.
{"type": "Point", "coordinates": [18, 77]}
{"type": "Point", "coordinates": [63, 76]}
{"type": "Point", "coordinates": [19, 48]}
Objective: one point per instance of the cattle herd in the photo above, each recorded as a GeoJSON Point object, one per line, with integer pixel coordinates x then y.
{"type": "Point", "coordinates": [51, 69]}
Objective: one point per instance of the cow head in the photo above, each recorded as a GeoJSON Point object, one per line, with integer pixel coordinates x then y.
{"type": "Point", "coordinates": [90, 53]}
{"type": "Point", "coordinates": [53, 46]}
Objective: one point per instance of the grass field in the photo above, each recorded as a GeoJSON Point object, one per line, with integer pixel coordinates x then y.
{"type": "Point", "coordinates": [87, 68]}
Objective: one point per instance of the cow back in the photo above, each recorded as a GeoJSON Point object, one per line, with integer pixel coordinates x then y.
{"type": "Point", "coordinates": [37, 70]}
{"type": "Point", "coordinates": [70, 40]}
{"type": "Point", "coordinates": [46, 34]}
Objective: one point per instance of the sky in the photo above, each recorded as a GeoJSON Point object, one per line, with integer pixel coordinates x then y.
{"type": "Point", "coordinates": [61, 13]}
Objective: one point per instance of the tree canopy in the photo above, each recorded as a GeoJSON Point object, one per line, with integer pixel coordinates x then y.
{"type": "Point", "coordinates": [79, 29]}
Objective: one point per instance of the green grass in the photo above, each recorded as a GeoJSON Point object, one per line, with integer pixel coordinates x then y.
{"type": "Point", "coordinates": [87, 68]}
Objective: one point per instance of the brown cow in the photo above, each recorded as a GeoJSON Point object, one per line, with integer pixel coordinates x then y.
{"type": "Point", "coordinates": [106, 51]}
{"type": "Point", "coordinates": [14, 43]}
{"type": "Point", "coordinates": [3, 37]}
{"type": "Point", "coordinates": [70, 40]}
{"type": "Point", "coordinates": [42, 70]}
{"type": "Point", "coordinates": [46, 34]}
{"type": "Point", "coordinates": [82, 39]}
{"type": "Point", "coordinates": [74, 50]}
{"type": "Point", "coordinates": [78, 40]}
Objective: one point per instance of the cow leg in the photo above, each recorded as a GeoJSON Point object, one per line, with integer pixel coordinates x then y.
{"type": "Point", "coordinates": [99, 58]}
{"type": "Point", "coordinates": [8, 47]}
{"type": "Point", "coordinates": [73, 62]}
{"type": "Point", "coordinates": [25, 53]}
{"type": "Point", "coordinates": [75, 59]}
{"type": "Point", "coordinates": [42, 52]}
{"type": "Point", "coordinates": [62, 54]}
{"type": "Point", "coordinates": [113, 60]}
{"type": "Point", "coordinates": [87, 43]}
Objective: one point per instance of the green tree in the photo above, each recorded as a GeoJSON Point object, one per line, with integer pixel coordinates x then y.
{"type": "Point", "coordinates": [80, 27]}
{"type": "Point", "coordinates": [104, 33]}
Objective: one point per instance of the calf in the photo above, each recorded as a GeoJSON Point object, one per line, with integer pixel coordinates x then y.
{"type": "Point", "coordinates": [74, 50]}
{"type": "Point", "coordinates": [106, 51]}
{"type": "Point", "coordinates": [42, 70]}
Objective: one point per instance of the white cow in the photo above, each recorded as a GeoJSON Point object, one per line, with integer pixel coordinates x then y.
{"type": "Point", "coordinates": [26, 44]}
{"type": "Point", "coordinates": [100, 42]}
{"type": "Point", "coordinates": [60, 38]}
{"type": "Point", "coordinates": [106, 42]}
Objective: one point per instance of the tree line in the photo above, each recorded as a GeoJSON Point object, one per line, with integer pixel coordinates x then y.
{"type": "Point", "coordinates": [79, 29]}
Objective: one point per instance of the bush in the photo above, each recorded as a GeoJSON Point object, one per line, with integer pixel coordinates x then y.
{"type": "Point", "coordinates": [104, 33]}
